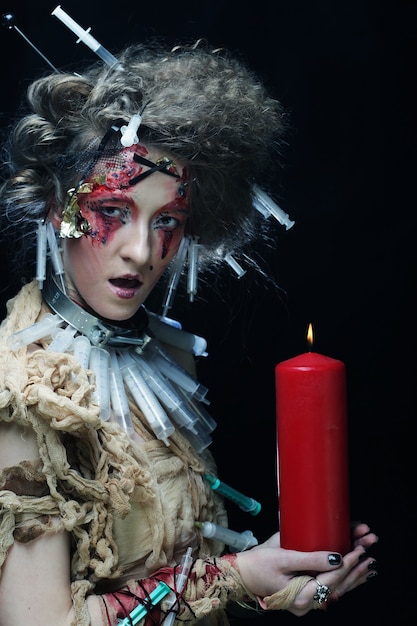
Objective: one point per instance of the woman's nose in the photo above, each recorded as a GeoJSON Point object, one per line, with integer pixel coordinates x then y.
{"type": "Point", "coordinates": [137, 246]}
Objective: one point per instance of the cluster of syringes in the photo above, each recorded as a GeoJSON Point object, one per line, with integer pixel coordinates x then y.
{"type": "Point", "coordinates": [156, 381]}
{"type": "Point", "coordinates": [235, 540]}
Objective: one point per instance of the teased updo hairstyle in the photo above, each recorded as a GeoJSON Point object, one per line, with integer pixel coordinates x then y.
{"type": "Point", "coordinates": [199, 105]}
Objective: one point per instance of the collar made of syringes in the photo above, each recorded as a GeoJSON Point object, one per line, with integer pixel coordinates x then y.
{"type": "Point", "coordinates": [98, 332]}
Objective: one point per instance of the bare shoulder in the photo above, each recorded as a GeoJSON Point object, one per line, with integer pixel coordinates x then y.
{"type": "Point", "coordinates": [16, 444]}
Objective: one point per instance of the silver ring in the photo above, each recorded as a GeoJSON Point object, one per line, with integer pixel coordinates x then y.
{"type": "Point", "coordinates": [322, 593]}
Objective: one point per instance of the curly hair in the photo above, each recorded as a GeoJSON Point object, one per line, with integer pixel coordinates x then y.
{"type": "Point", "coordinates": [200, 105]}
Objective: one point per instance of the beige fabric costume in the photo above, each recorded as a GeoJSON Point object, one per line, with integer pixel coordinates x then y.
{"type": "Point", "coordinates": [129, 506]}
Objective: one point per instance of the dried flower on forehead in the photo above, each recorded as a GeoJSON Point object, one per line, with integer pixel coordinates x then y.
{"type": "Point", "coordinates": [127, 168]}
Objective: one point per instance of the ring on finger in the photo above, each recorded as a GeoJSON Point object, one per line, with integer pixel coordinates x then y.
{"type": "Point", "coordinates": [322, 593]}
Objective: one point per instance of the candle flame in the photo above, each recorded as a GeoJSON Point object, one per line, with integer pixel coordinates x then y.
{"type": "Point", "coordinates": [310, 335]}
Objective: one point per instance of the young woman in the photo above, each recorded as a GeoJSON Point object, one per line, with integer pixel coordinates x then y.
{"type": "Point", "coordinates": [124, 170]}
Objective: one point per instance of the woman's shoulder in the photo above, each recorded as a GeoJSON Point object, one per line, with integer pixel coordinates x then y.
{"type": "Point", "coordinates": [22, 310]}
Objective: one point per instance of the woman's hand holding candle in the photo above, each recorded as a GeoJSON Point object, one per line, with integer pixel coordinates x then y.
{"type": "Point", "coordinates": [268, 568]}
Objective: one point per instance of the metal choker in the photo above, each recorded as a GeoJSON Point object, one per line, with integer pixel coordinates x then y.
{"type": "Point", "coordinates": [98, 332]}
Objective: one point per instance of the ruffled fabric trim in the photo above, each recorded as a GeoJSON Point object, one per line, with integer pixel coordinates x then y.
{"type": "Point", "coordinates": [93, 472]}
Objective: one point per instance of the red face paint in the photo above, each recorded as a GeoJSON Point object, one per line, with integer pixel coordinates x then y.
{"type": "Point", "coordinates": [115, 174]}
{"type": "Point", "coordinates": [122, 168]}
{"type": "Point", "coordinates": [132, 228]}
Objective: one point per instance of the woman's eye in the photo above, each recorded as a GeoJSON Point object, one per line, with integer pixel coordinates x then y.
{"type": "Point", "coordinates": [110, 211]}
{"type": "Point", "coordinates": [166, 221]}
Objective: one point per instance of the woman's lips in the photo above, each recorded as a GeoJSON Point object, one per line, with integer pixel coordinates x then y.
{"type": "Point", "coordinates": [125, 287]}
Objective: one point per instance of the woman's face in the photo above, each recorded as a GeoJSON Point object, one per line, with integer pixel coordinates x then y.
{"type": "Point", "coordinates": [134, 232]}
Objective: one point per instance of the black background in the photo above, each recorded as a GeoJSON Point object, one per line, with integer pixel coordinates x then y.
{"type": "Point", "coordinates": [346, 74]}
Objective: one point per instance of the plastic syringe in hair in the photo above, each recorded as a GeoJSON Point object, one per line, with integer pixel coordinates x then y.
{"type": "Point", "coordinates": [41, 253]}
{"type": "Point", "coordinates": [192, 276]}
{"type": "Point", "coordinates": [86, 38]}
{"type": "Point", "coordinates": [265, 205]}
{"type": "Point", "coordinates": [55, 254]}
{"type": "Point", "coordinates": [177, 266]}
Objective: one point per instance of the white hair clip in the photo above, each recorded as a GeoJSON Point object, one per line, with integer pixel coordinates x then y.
{"type": "Point", "coordinates": [265, 205]}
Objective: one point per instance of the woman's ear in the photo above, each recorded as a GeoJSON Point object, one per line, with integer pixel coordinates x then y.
{"type": "Point", "coordinates": [55, 217]}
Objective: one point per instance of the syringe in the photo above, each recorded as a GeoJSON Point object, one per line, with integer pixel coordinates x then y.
{"type": "Point", "coordinates": [129, 132]}
{"type": "Point", "coordinates": [142, 610]}
{"type": "Point", "coordinates": [41, 253]}
{"type": "Point", "coordinates": [208, 424]}
{"type": "Point", "coordinates": [55, 254]}
{"type": "Point", "coordinates": [249, 505]}
{"type": "Point", "coordinates": [265, 205]}
{"type": "Point", "coordinates": [118, 397]}
{"type": "Point", "coordinates": [144, 397]}
{"type": "Point", "coordinates": [192, 276]}
{"type": "Point", "coordinates": [236, 267]}
{"type": "Point", "coordinates": [167, 395]}
{"type": "Point", "coordinates": [175, 336]}
{"type": "Point", "coordinates": [86, 38]}
{"type": "Point", "coordinates": [100, 365]}
{"type": "Point", "coordinates": [175, 372]}
{"type": "Point", "coordinates": [231, 538]}
{"type": "Point", "coordinates": [81, 348]}
{"type": "Point", "coordinates": [44, 328]}
{"type": "Point", "coordinates": [62, 339]}
{"type": "Point", "coordinates": [175, 275]}
{"type": "Point", "coordinates": [181, 578]}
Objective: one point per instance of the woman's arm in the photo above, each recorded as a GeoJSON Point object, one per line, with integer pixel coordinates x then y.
{"type": "Point", "coordinates": [35, 582]}
{"type": "Point", "coordinates": [35, 585]}
{"type": "Point", "coordinates": [35, 579]}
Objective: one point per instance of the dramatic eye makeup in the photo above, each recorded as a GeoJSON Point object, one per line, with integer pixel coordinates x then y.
{"type": "Point", "coordinates": [112, 198]}
{"type": "Point", "coordinates": [169, 223]}
{"type": "Point", "coordinates": [104, 216]}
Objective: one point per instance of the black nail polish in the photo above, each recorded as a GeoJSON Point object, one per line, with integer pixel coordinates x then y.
{"type": "Point", "coordinates": [372, 575]}
{"type": "Point", "coordinates": [363, 556]}
{"type": "Point", "coordinates": [372, 564]}
{"type": "Point", "coordinates": [334, 559]}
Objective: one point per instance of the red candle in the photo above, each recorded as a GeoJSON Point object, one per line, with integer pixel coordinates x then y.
{"type": "Point", "coordinates": [312, 453]}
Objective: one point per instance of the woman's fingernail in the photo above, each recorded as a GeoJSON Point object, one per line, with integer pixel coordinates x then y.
{"type": "Point", "coordinates": [372, 575]}
{"type": "Point", "coordinates": [334, 559]}
{"type": "Point", "coordinates": [363, 556]}
{"type": "Point", "coordinates": [372, 564]}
